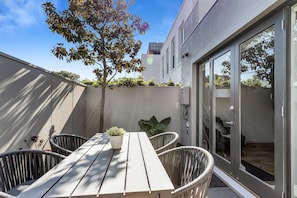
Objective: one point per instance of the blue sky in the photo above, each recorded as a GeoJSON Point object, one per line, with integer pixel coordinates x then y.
{"type": "Point", "coordinates": [25, 35]}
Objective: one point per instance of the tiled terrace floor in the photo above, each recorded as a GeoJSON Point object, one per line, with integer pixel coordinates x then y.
{"type": "Point", "coordinates": [221, 192]}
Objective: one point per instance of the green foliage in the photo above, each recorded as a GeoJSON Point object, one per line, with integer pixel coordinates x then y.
{"type": "Point", "coordinates": [222, 81]}
{"type": "Point", "coordinates": [140, 81]}
{"type": "Point", "coordinates": [252, 82]}
{"type": "Point", "coordinates": [153, 126]}
{"type": "Point", "coordinates": [170, 83]}
{"type": "Point", "coordinates": [96, 84]}
{"type": "Point", "coordinates": [151, 83]}
{"type": "Point", "coordinates": [130, 82]}
{"type": "Point", "coordinates": [67, 74]}
{"type": "Point", "coordinates": [115, 131]}
{"type": "Point", "coordinates": [87, 82]}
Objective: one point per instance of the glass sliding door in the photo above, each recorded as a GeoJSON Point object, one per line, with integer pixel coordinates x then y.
{"type": "Point", "coordinates": [222, 113]}
{"type": "Point", "coordinates": [257, 105]}
{"type": "Point", "coordinates": [241, 107]}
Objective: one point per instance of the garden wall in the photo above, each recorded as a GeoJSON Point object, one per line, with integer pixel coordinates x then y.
{"type": "Point", "coordinates": [125, 106]}
{"type": "Point", "coordinates": [35, 102]}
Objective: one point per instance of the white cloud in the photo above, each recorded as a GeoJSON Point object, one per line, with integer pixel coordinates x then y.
{"type": "Point", "coordinates": [19, 13]}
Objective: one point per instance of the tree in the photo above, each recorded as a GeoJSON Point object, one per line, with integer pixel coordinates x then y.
{"type": "Point", "coordinates": [101, 33]}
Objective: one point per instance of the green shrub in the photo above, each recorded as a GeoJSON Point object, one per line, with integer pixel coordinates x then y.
{"type": "Point", "coordinates": [153, 126]}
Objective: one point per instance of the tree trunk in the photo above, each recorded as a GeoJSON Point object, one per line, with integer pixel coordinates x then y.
{"type": "Point", "coordinates": [102, 105]}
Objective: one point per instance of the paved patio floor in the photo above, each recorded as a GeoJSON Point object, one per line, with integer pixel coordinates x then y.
{"type": "Point", "coordinates": [221, 192]}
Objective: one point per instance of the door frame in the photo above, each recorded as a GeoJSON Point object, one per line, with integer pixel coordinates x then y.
{"type": "Point", "coordinates": [233, 167]}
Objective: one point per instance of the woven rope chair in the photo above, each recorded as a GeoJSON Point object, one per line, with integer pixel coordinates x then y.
{"type": "Point", "coordinates": [190, 169]}
{"type": "Point", "coordinates": [65, 144]}
{"type": "Point", "coordinates": [19, 169]}
{"type": "Point", "coordinates": [164, 141]}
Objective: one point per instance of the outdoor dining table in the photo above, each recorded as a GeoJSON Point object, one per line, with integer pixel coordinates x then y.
{"type": "Point", "coordinates": [97, 170]}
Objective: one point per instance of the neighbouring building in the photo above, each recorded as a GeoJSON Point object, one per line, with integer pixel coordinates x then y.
{"type": "Point", "coordinates": [239, 61]}
{"type": "Point", "coordinates": [151, 61]}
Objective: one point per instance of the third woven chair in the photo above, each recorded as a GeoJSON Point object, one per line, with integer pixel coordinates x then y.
{"type": "Point", "coordinates": [190, 169]}
{"type": "Point", "coordinates": [65, 144]}
{"type": "Point", "coordinates": [19, 169]}
{"type": "Point", "coordinates": [164, 141]}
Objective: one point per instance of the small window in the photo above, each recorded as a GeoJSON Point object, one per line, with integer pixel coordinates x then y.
{"type": "Point", "coordinates": [173, 53]}
{"type": "Point", "coordinates": [163, 67]}
{"type": "Point", "coordinates": [167, 61]}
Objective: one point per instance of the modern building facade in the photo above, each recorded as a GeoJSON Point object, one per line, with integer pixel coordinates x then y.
{"type": "Point", "coordinates": [151, 61]}
{"type": "Point", "coordinates": [239, 59]}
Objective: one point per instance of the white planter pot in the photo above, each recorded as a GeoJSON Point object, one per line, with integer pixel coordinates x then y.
{"type": "Point", "coordinates": [116, 141]}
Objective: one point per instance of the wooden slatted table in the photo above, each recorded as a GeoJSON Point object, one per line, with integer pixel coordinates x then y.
{"type": "Point", "coordinates": [96, 170]}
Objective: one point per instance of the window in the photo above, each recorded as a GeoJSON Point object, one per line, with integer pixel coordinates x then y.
{"type": "Point", "coordinates": [173, 53]}
{"type": "Point", "coordinates": [181, 33]}
{"type": "Point", "coordinates": [180, 41]}
{"type": "Point", "coordinates": [167, 61]}
{"type": "Point", "coordinates": [163, 67]}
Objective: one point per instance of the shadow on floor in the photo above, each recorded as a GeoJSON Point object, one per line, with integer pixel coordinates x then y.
{"type": "Point", "coordinates": [218, 189]}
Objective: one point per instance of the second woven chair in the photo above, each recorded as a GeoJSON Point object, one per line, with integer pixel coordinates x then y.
{"type": "Point", "coordinates": [164, 141]}
{"type": "Point", "coordinates": [65, 144]}
{"type": "Point", "coordinates": [190, 169]}
{"type": "Point", "coordinates": [19, 169]}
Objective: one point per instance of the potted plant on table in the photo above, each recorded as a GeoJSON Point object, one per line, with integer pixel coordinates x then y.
{"type": "Point", "coordinates": [116, 136]}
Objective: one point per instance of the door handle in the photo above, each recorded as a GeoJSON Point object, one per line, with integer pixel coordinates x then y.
{"type": "Point", "coordinates": [231, 123]}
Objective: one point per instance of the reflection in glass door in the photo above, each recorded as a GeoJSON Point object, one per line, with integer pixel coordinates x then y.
{"type": "Point", "coordinates": [223, 116]}
{"type": "Point", "coordinates": [257, 105]}
{"type": "Point", "coordinates": [204, 105]}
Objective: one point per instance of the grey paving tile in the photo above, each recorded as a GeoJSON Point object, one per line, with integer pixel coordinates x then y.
{"type": "Point", "coordinates": [221, 192]}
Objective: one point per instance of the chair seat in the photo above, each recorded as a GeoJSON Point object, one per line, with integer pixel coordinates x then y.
{"type": "Point", "coordinates": [19, 169]}
{"type": "Point", "coordinates": [190, 169]}
{"type": "Point", "coordinates": [20, 188]}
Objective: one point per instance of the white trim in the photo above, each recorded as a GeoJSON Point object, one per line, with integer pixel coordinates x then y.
{"type": "Point", "coordinates": [233, 184]}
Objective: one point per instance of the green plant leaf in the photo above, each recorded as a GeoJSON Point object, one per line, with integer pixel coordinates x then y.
{"type": "Point", "coordinates": [152, 126]}
{"type": "Point", "coordinates": [166, 121]}
{"type": "Point", "coordinates": [153, 120]}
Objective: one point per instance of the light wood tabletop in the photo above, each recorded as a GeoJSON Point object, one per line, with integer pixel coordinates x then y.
{"type": "Point", "coordinates": [97, 170]}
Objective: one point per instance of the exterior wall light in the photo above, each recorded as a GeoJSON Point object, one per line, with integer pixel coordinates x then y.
{"type": "Point", "coordinates": [185, 55]}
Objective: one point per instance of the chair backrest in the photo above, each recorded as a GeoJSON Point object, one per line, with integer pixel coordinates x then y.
{"type": "Point", "coordinates": [17, 167]}
{"type": "Point", "coordinates": [164, 141]}
{"type": "Point", "coordinates": [190, 169]}
{"type": "Point", "coordinates": [65, 144]}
